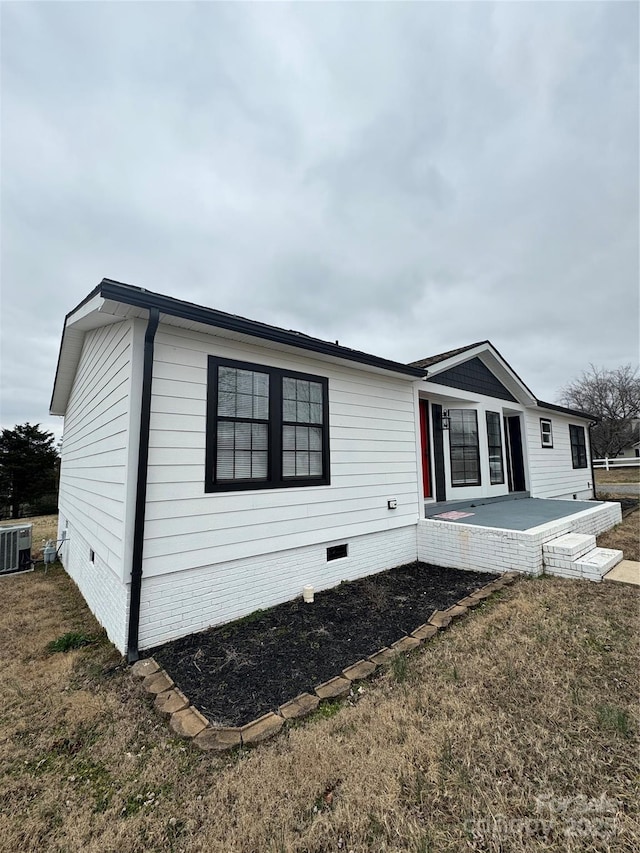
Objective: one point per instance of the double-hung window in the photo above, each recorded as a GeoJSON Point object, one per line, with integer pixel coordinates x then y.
{"type": "Point", "coordinates": [546, 433]}
{"type": "Point", "coordinates": [494, 441]}
{"type": "Point", "coordinates": [578, 446]}
{"type": "Point", "coordinates": [463, 447]}
{"type": "Point", "coordinates": [266, 428]}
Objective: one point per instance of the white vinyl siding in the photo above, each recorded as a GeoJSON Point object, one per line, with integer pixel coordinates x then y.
{"type": "Point", "coordinates": [550, 468]}
{"type": "Point", "coordinates": [98, 473]}
{"type": "Point", "coordinates": [372, 453]}
{"type": "Point", "coordinates": [95, 445]}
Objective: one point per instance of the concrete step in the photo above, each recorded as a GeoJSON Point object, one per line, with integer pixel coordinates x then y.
{"type": "Point", "coordinates": [571, 545]}
{"type": "Point", "coordinates": [598, 562]}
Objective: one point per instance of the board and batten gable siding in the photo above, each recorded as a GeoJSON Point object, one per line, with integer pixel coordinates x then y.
{"type": "Point", "coordinates": [97, 477]}
{"type": "Point", "coordinates": [372, 455]}
{"type": "Point", "coordinates": [550, 468]}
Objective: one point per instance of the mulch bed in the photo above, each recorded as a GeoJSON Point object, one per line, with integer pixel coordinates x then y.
{"type": "Point", "coordinates": [244, 669]}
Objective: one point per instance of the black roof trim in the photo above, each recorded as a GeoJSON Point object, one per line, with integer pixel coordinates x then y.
{"type": "Point", "coordinates": [142, 298]}
{"type": "Point", "coordinates": [88, 298]}
{"type": "Point", "coordinates": [575, 412]}
{"type": "Point", "coordinates": [443, 356]}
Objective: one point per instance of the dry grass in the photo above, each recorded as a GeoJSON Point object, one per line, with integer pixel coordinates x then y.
{"type": "Point", "coordinates": [510, 725]}
{"type": "Point", "coordinates": [617, 475]}
{"type": "Point", "coordinates": [44, 527]}
{"type": "Point", "coordinates": [625, 536]}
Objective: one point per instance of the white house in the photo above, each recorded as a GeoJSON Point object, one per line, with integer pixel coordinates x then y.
{"type": "Point", "coordinates": [213, 465]}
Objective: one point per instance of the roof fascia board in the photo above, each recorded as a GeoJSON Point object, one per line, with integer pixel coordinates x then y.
{"type": "Point", "coordinates": [84, 310]}
{"type": "Point", "coordinates": [508, 376]}
{"type": "Point", "coordinates": [572, 413]}
{"type": "Point", "coordinates": [453, 361]}
{"type": "Point", "coordinates": [210, 317]}
{"type": "Point", "coordinates": [92, 313]}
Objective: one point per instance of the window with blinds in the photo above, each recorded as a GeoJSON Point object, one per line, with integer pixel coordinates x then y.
{"type": "Point", "coordinates": [242, 440]}
{"type": "Point", "coordinates": [266, 427]}
{"type": "Point", "coordinates": [463, 447]}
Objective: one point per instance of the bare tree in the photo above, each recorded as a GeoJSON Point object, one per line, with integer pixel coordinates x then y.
{"type": "Point", "coordinates": [613, 396]}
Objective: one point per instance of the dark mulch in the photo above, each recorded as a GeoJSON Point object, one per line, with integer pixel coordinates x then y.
{"type": "Point", "coordinates": [243, 669]}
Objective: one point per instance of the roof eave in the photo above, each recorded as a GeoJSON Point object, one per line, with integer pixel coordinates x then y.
{"type": "Point", "coordinates": [210, 317]}
{"type": "Point", "coordinates": [79, 319]}
{"type": "Point", "coordinates": [576, 413]}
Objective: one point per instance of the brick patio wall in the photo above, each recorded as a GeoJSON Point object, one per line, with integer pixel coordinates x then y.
{"type": "Point", "coordinates": [490, 549]}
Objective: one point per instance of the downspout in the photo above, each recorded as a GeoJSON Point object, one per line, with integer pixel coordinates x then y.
{"type": "Point", "coordinates": [141, 488]}
{"type": "Point", "coordinates": [593, 473]}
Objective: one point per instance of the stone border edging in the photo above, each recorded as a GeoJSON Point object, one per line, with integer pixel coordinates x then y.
{"type": "Point", "coordinates": [186, 721]}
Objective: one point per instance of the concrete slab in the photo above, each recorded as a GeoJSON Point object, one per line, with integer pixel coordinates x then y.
{"type": "Point", "coordinates": [627, 571]}
{"type": "Point", "coordinates": [522, 514]}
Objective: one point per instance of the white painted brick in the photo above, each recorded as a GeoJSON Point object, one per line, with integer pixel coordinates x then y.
{"type": "Point", "coordinates": [235, 589]}
{"type": "Point", "coordinates": [106, 596]}
{"type": "Point", "coordinates": [599, 561]}
{"type": "Point", "coordinates": [571, 545]}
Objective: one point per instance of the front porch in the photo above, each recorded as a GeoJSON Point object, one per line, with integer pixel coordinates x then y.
{"type": "Point", "coordinates": [528, 535]}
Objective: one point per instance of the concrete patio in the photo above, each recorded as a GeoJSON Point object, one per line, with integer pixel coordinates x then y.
{"type": "Point", "coordinates": [528, 535]}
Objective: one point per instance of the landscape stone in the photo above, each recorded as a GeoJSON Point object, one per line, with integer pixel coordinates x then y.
{"type": "Point", "coordinates": [337, 686]}
{"type": "Point", "coordinates": [484, 592]}
{"type": "Point", "coordinates": [171, 701]}
{"type": "Point", "coordinates": [218, 739]}
{"type": "Point", "coordinates": [188, 722]}
{"type": "Point", "coordinates": [302, 705]}
{"type": "Point", "coordinates": [440, 619]}
{"type": "Point", "coordinates": [262, 728]}
{"type": "Point", "coordinates": [142, 668]}
{"type": "Point", "coordinates": [424, 632]}
{"type": "Point", "coordinates": [469, 601]}
{"type": "Point", "coordinates": [158, 682]}
{"type": "Point", "coordinates": [385, 655]}
{"type": "Point", "coordinates": [456, 610]}
{"type": "Point", "coordinates": [405, 644]}
{"type": "Point", "coordinates": [361, 669]}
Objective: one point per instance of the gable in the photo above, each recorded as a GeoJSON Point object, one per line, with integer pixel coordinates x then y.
{"type": "Point", "coordinates": [474, 376]}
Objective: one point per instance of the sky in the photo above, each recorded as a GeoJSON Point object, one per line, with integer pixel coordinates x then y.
{"type": "Point", "coordinates": [405, 178]}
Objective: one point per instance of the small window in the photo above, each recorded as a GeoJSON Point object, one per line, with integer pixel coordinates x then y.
{"type": "Point", "coordinates": [494, 441]}
{"type": "Point", "coordinates": [463, 447]}
{"type": "Point", "coordinates": [335, 552]}
{"type": "Point", "coordinates": [578, 446]}
{"type": "Point", "coordinates": [92, 555]}
{"type": "Point", "coordinates": [546, 433]}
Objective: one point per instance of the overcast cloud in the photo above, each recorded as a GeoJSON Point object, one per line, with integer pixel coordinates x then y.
{"type": "Point", "coordinates": [406, 178]}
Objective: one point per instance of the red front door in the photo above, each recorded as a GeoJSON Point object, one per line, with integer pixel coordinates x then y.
{"type": "Point", "coordinates": [424, 440]}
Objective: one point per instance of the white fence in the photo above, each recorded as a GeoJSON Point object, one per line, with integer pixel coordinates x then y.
{"type": "Point", "coordinates": [619, 462]}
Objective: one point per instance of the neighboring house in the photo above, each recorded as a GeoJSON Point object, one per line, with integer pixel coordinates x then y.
{"type": "Point", "coordinates": [632, 450]}
{"type": "Point", "coordinates": [213, 465]}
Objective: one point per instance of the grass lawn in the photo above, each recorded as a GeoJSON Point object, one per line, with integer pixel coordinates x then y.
{"type": "Point", "coordinates": [617, 475]}
{"type": "Point", "coordinates": [625, 537]}
{"type": "Point", "coordinates": [514, 730]}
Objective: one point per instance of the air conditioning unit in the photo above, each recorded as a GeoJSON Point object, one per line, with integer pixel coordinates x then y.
{"type": "Point", "coordinates": [15, 549]}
